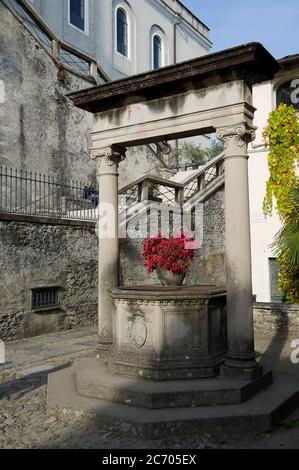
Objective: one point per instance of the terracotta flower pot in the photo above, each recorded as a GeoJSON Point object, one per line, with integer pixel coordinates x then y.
{"type": "Point", "coordinates": [168, 278]}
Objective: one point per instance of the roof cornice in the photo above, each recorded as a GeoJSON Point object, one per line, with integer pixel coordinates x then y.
{"type": "Point", "coordinates": [251, 63]}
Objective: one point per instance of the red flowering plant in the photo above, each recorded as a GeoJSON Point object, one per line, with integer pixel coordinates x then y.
{"type": "Point", "coordinates": [171, 254]}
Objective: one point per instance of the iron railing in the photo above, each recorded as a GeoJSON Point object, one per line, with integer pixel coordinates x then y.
{"type": "Point", "coordinates": [155, 189]}
{"type": "Point", "coordinates": [27, 193]}
{"type": "Point", "coordinates": [151, 188]}
{"type": "Point", "coordinates": [187, 167]}
{"type": "Point", "coordinates": [23, 192]}
{"type": "Point", "coordinates": [206, 174]}
{"type": "Point", "coordinates": [70, 57]}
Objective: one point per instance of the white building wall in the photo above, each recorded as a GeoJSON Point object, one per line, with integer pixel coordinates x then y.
{"type": "Point", "coordinates": [144, 16]}
{"type": "Point", "coordinates": [263, 230]}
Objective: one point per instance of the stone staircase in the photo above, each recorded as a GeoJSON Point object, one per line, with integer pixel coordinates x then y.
{"type": "Point", "coordinates": [182, 191]}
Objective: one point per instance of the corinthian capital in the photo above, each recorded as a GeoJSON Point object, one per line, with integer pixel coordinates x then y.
{"type": "Point", "coordinates": [108, 159]}
{"type": "Point", "coordinates": [236, 138]}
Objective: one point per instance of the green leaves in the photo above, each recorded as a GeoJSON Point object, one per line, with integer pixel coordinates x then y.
{"type": "Point", "coordinates": [281, 135]}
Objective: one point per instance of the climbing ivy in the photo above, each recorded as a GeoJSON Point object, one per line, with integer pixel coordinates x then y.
{"type": "Point", "coordinates": [281, 136]}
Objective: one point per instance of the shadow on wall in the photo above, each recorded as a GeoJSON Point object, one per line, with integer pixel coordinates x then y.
{"type": "Point", "coordinates": [18, 388]}
{"type": "Point", "coordinates": [275, 348]}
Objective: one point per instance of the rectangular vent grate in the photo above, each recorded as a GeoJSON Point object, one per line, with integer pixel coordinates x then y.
{"type": "Point", "coordinates": [45, 298]}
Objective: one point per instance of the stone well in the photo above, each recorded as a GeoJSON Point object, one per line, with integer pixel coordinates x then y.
{"type": "Point", "coordinates": [169, 333]}
{"type": "Point", "coordinates": [159, 351]}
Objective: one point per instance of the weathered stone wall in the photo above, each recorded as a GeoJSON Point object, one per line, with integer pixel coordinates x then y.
{"type": "Point", "coordinates": [36, 255]}
{"type": "Point", "coordinates": [64, 254]}
{"type": "Point", "coordinates": [277, 317]}
{"type": "Point", "coordinates": [40, 129]}
{"type": "Point", "coordinates": [209, 266]}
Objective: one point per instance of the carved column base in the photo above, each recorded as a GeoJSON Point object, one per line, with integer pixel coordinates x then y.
{"type": "Point", "coordinates": [243, 369]}
{"type": "Point", "coordinates": [103, 349]}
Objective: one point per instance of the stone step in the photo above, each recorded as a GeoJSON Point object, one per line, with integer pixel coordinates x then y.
{"type": "Point", "coordinates": [261, 414]}
{"type": "Point", "coordinates": [94, 380]}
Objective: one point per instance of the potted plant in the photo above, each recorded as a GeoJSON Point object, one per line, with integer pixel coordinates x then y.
{"type": "Point", "coordinates": [170, 257]}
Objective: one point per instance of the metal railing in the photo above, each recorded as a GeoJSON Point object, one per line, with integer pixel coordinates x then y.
{"type": "Point", "coordinates": [70, 57]}
{"type": "Point", "coordinates": [204, 177]}
{"type": "Point", "coordinates": [187, 167]}
{"type": "Point", "coordinates": [63, 54]}
{"type": "Point", "coordinates": [151, 188]}
{"type": "Point", "coordinates": [27, 193]}
{"type": "Point", "coordinates": [155, 189]}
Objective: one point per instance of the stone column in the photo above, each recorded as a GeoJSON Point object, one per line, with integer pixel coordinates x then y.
{"type": "Point", "coordinates": [107, 172]}
{"type": "Point", "coordinates": [240, 362]}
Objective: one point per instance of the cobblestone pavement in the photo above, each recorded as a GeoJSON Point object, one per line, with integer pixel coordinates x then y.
{"type": "Point", "coordinates": [24, 423]}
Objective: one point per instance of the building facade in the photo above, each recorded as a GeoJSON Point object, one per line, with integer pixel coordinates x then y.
{"type": "Point", "coordinates": [127, 36]}
{"type": "Point", "coordinates": [94, 41]}
{"type": "Point", "coordinates": [266, 97]}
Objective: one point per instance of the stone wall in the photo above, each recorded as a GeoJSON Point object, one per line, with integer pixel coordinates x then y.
{"type": "Point", "coordinates": [38, 253]}
{"type": "Point", "coordinates": [277, 317]}
{"type": "Point", "coordinates": [34, 255]}
{"type": "Point", "coordinates": [209, 266]}
{"type": "Point", "coordinates": [40, 129]}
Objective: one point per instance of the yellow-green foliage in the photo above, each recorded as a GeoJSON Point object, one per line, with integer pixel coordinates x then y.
{"type": "Point", "coordinates": [288, 283]}
{"type": "Point", "coordinates": [282, 137]}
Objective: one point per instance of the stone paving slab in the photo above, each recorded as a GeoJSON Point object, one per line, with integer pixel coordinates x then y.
{"type": "Point", "coordinates": [39, 349]}
{"type": "Point", "coordinates": [37, 370]}
{"type": "Point", "coordinates": [24, 423]}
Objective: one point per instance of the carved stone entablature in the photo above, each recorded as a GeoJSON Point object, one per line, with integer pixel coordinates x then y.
{"type": "Point", "coordinates": [236, 138]}
{"type": "Point", "coordinates": [108, 159]}
{"type": "Point", "coordinates": [165, 303]}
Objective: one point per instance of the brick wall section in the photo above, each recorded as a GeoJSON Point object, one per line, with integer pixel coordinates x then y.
{"type": "Point", "coordinates": [34, 255]}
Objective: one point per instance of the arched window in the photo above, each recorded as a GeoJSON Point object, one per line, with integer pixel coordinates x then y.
{"type": "Point", "coordinates": [157, 52]}
{"type": "Point", "coordinates": [288, 93]}
{"type": "Point", "coordinates": [122, 32]}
